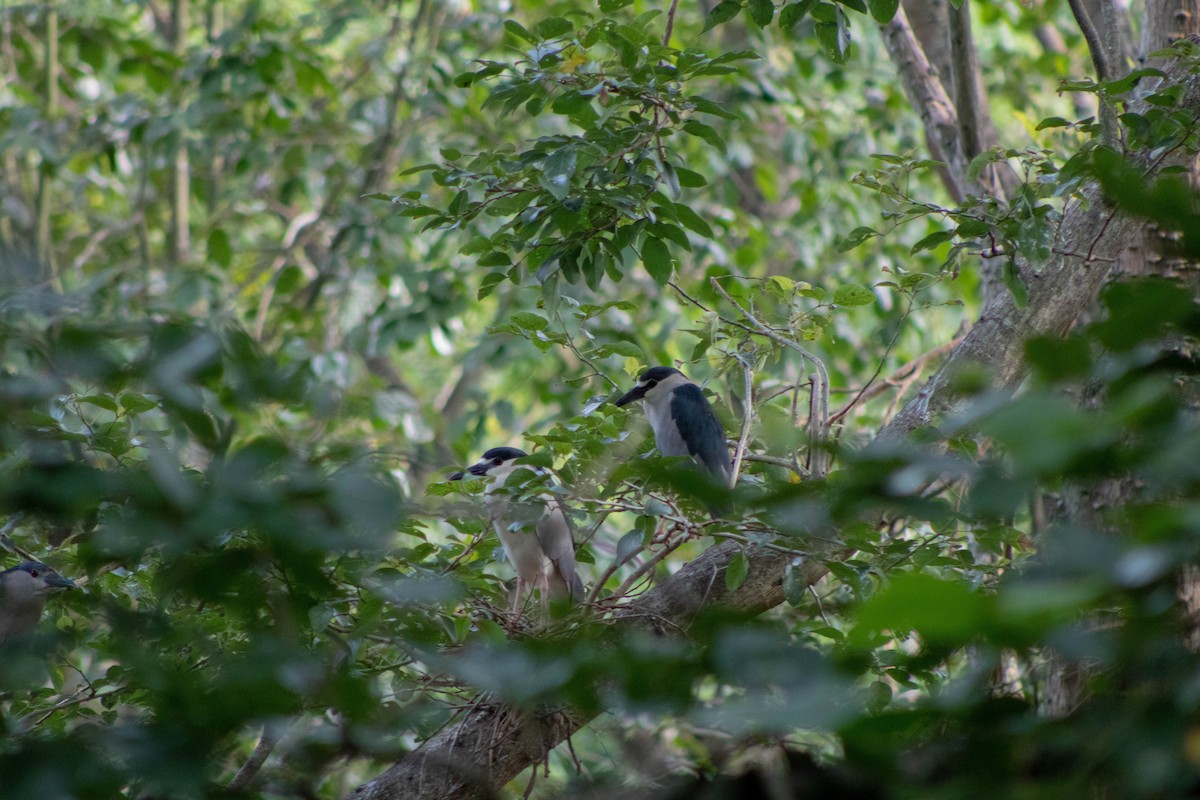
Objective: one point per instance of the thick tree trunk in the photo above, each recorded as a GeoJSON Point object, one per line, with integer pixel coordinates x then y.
{"type": "Point", "coordinates": [1064, 681]}
{"type": "Point", "coordinates": [1165, 22]}
{"type": "Point", "coordinates": [492, 744]}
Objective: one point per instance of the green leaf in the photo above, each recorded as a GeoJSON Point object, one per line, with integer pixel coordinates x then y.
{"type": "Point", "coordinates": [1053, 122]}
{"type": "Point", "coordinates": [495, 258]}
{"type": "Point", "coordinates": [942, 611]}
{"type": "Point", "coordinates": [1010, 276]}
{"type": "Point", "coordinates": [571, 102]}
{"type": "Point", "coordinates": [693, 221]}
{"type": "Point", "coordinates": [657, 259]}
{"type": "Point", "coordinates": [670, 232]}
{"type": "Point", "coordinates": [1129, 80]}
{"type": "Point", "coordinates": [879, 694]}
{"type": "Point", "coordinates": [518, 30]}
{"type": "Point", "coordinates": [557, 171]}
{"type": "Point", "coordinates": [834, 36]}
{"type": "Point", "coordinates": [671, 179]}
{"type": "Point", "coordinates": [761, 11]}
{"type": "Point", "coordinates": [690, 179]}
{"type": "Point", "coordinates": [628, 545]}
{"type": "Point", "coordinates": [489, 284]}
{"type": "Point", "coordinates": [793, 13]}
{"type": "Point", "coordinates": [136, 403]}
{"type": "Point", "coordinates": [856, 237]}
{"type": "Point", "coordinates": [553, 27]}
{"type": "Point", "coordinates": [112, 442]}
{"type": "Point", "coordinates": [784, 284]}
{"type": "Point", "coordinates": [705, 132]}
{"type": "Point", "coordinates": [736, 572]}
{"type": "Point", "coordinates": [528, 321]}
{"type": "Point", "coordinates": [933, 240]}
{"type": "Point", "coordinates": [852, 294]}
{"type": "Point", "coordinates": [219, 250]}
{"type": "Point", "coordinates": [100, 401]}
{"type": "Point", "coordinates": [704, 105]}
{"type": "Point", "coordinates": [627, 349]}
{"type": "Point", "coordinates": [883, 10]}
{"type": "Point", "coordinates": [722, 12]}
{"type": "Point", "coordinates": [972, 228]}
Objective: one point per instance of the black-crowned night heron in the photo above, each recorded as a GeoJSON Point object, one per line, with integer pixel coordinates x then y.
{"type": "Point", "coordinates": [542, 550]}
{"type": "Point", "coordinates": [682, 420]}
{"type": "Point", "coordinates": [23, 592]}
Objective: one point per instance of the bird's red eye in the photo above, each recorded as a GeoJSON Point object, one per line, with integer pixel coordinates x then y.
{"type": "Point", "coordinates": [33, 572]}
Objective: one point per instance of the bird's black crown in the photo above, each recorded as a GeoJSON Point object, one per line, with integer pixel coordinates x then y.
{"type": "Point", "coordinates": [658, 374]}
{"type": "Point", "coordinates": [504, 453]}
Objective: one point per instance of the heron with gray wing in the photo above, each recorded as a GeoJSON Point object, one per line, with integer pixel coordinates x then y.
{"type": "Point", "coordinates": [682, 420]}
{"type": "Point", "coordinates": [23, 592]}
{"type": "Point", "coordinates": [541, 551]}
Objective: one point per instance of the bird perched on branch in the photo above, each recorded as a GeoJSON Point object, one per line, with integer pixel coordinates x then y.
{"type": "Point", "coordinates": [540, 547]}
{"type": "Point", "coordinates": [682, 420]}
{"type": "Point", "coordinates": [23, 592]}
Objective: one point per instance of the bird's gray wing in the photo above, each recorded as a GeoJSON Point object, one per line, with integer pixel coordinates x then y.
{"type": "Point", "coordinates": [701, 430]}
{"type": "Point", "coordinates": [558, 543]}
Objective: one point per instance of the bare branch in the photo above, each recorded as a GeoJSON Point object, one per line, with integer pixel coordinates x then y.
{"type": "Point", "coordinates": [968, 102]}
{"type": "Point", "coordinates": [666, 40]}
{"type": "Point", "coordinates": [927, 93]}
{"type": "Point", "coordinates": [1108, 115]}
{"type": "Point", "coordinates": [747, 417]}
{"type": "Point", "coordinates": [1094, 42]}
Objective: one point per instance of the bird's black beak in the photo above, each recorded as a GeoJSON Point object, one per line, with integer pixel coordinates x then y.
{"type": "Point", "coordinates": [58, 581]}
{"type": "Point", "coordinates": [474, 469]}
{"type": "Point", "coordinates": [636, 393]}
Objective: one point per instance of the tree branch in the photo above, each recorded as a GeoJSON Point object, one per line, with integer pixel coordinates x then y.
{"type": "Point", "coordinates": [493, 743]}
{"type": "Point", "coordinates": [927, 94]}
{"type": "Point", "coordinates": [968, 102]}
{"type": "Point", "coordinates": [1096, 46]}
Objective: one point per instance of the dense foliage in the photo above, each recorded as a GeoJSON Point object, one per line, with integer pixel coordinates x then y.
{"type": "Point", "coordinates": [272, 270]}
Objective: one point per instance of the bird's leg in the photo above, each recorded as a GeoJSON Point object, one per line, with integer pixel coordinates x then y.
{"type": "Point", "coordinates": [544, 588]}
{"type": "Point", "coordinates": [517, 594]}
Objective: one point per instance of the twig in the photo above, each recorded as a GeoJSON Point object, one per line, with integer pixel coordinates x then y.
{"type": "Point", "coordinates": [650, 564]}
{"type": "Point", "coordinates": [466, 552]}
{"type": "Point", "coordinates": [666, 40]}
{"type": "Point", "coordinates": [872, 388]}
{"type": "Point", "coordinates": [571, 346]}
{"type": "Point", "coordinates": [747, 417]}
{"type": "Point", "coordinates": [616, 564]}
{"type": "Point", "coordinates": [786, 463]}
